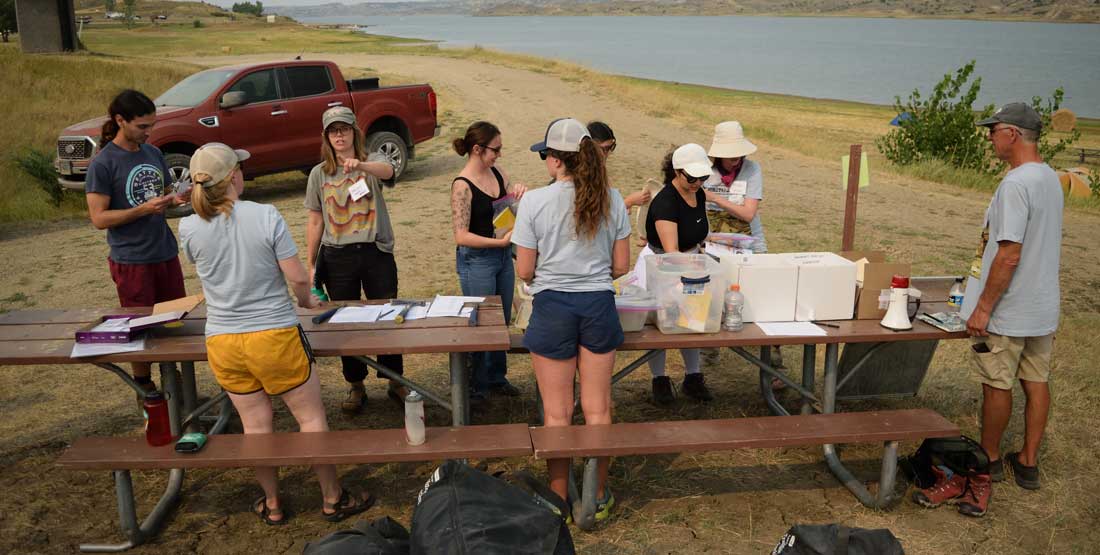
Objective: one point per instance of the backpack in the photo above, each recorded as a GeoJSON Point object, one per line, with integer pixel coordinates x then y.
{"type": "Point", "coordinates": [833, 539]}
{"type": "Point", "coordinates": [383, 536]}
{"type": "Point", "coordinates": [962, 455]}
{"type": "Point", "coordinates": [462, 510]}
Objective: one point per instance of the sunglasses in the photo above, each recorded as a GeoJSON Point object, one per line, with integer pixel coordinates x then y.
{"type": "Point", "coordinates": [495, 149]}
{"type": "Point", "coordinates": [543, 153]}
{"type": "Point", "coordinates": [608, 149]}
{"type": "Point", "coordinates": [692, 180]}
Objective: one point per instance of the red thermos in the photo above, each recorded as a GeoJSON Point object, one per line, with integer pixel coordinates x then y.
{"type": "Point", "coordinates": [158, 429]}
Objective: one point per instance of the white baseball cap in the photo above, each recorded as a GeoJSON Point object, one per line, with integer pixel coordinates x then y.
{"type": "Point", "coordinates": [217, 161]}
{"type": "Point", "coordinates": [563, 135]}
{"type": "Point", "coordinates": [691, 158]}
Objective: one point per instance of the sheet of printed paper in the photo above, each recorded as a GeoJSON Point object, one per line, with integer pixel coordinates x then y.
{"type": "Point", "coordinates": [99, 349]}
{"type": "Point", "coordinates": [444, 305]}
{"type": "Point", "coordinates": [791, 328]}
{"type": "Point", "coordinates": [356, 315]}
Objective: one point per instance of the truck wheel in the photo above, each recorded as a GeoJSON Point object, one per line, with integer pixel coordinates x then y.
{"type": "Point", "coordinates": [393, 147]}
{"type": "Point", "coordinates": [179, 171]}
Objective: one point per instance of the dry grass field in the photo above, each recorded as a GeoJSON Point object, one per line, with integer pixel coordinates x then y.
{"type": "Point", "coordinates": [739, 502]}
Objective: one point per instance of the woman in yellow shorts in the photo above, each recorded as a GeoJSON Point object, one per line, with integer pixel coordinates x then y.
{"type": "Point", "coordinates": [244, 256]}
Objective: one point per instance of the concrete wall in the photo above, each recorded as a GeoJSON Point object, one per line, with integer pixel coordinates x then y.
{"type": "Point", "coordinates": [46, 25]}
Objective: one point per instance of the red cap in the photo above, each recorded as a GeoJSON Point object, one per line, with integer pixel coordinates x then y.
{"type": "Point", "coordinates": [899, 282]}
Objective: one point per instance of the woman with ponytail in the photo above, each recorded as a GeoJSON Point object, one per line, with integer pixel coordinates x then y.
{"type": "Point", "coordinates": [483, 254]}
{"type": "Point", "coordinates": [572, 240]}
{"type": "Point", "coordinates": [244, 256]}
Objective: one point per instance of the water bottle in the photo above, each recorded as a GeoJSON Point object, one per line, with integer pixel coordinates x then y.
{"type": "Point", "coordinates": [955, 297]}
{"type": "Point", "coordinates": [414, 419]}
{"type": "Point", "coordinates": [735, 302]}
{"type": "Point", "coordinates": [158, 427]}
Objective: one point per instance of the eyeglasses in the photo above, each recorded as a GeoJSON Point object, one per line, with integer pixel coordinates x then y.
{"type": "Point", "coordinates": [692, 180]}
{"type": "Point", "coordinates": [994, 130]}
{"type": "Point", "coordinates": [495, 149]}
{"type": "Point", "coordinates": [543, 153]}
{"type": "Point", "coordinates": [340, 130]}
{"type": "Point", "coordinates": [609, 148]}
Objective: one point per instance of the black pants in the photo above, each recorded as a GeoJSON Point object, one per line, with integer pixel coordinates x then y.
{"type": "Point", "coordinates": [353, 270]}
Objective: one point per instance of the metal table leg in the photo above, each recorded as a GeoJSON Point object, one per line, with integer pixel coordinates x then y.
{"type": "Point", "coordinates": [401, 379]}
{"type": "Point", "coordinates": [809, 366]}
{"type": "Point", "coordinates": [189, 393]}
{"type": "Point", "coordinates": [584, 509]}
{"type": "Point", "coordinates": [832, 458]}
{"type": "Point", "coordinates": [460, 392]}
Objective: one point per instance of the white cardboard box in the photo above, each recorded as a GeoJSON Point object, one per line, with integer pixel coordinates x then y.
{"type": "Point", "coordinates": [769, 283]}
{"type": "Point", "coordinates": [826, 286]}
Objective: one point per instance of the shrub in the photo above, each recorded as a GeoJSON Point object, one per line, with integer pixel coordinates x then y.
{"type": "Point", "coordinates": [197, 24]}
{"type": "Point", "coordinates": [39, 165]}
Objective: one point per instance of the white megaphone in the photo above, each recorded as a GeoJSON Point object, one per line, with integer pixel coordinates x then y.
{"type": "Point", "coordinates": [897, 315]}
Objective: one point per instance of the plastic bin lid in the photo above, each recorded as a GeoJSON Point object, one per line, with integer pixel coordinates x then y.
{"type": "Point", "coordinates": [629, 303]}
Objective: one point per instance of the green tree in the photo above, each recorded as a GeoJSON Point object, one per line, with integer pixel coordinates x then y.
{"type": "Point", "coordinates": [255, 9]}
{"type": "Point", "coordinates": [1047, 148]}
{"type": "Point", "coordinates": [8, 22]}
{"type": "Point", "coordinates": [129, 6]}
{"type": "Point", "coordinates": [109, 5]}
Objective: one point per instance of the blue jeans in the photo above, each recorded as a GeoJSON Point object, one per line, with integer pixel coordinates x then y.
{"type": "Point", "coordinates": [484, 272]}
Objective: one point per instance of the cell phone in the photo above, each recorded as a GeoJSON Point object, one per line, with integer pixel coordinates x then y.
{"type": "Point", "coordinates": [191, 443]}
{"type": "Point", "coordinates": [980, 347]}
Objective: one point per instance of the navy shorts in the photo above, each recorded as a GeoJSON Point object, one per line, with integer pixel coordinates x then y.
{"type": "Point", "coordinates": [562, 321]}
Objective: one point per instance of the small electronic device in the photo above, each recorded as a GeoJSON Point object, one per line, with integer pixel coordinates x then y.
{"type": "Point", "coordinates": [191, 443]}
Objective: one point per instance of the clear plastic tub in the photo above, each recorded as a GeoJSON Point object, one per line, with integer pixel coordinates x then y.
{"type": "Point", "coordinates": [634, 311]}
{"type": "Point", "coordinates": [689, 289]}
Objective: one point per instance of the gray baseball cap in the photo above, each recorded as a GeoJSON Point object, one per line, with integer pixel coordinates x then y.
{"type": "Point", "coordinates": [341, 114]}
{"type": "Point", "coordinates": [1016, 113]}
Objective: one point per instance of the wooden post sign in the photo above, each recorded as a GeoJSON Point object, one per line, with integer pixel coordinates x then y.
{"type": "Point", "coordinates": [849, 236]}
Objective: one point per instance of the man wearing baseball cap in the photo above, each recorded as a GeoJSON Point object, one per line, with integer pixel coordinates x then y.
{"type": "Point", "coordinates": [1011, 304]}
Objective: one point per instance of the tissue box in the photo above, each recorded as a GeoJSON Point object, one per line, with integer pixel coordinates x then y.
{"type": "Point", "coordinates": [826, 286]}
{"type": "Point", "coordinates": [872, 277]}
{"type": "Point", "coordinates": [769, 283]}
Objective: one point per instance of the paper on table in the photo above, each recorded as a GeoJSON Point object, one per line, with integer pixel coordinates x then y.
{"type": "Point", "coordinates": [389, 312]}
{"type": "Point", "coordinates": [114, 324]}
{"type": "Point", "coordinates": [98, 349]}
{"type": "Point", "coordinates": [356, 315]}
{"type": "Point", "coordinates": [444, 305]}
{"type": "Point", "coordinates": [790, 328]}
{"type": "Point", "coordinates": [416, 313]}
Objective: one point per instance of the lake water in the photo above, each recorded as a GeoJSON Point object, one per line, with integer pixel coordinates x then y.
{"type": "Point", "coordinates": [867, 60]}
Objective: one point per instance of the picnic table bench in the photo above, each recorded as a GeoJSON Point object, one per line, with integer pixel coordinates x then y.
{"type": "Point", "coordinates": [35, 337]}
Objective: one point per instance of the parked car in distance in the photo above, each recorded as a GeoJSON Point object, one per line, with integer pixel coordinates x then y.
{"type": "Point", "coordinates": [273, 110]}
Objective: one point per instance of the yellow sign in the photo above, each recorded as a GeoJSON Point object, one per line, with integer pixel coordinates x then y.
{"type": "Point", "coordinates": [864, 172]}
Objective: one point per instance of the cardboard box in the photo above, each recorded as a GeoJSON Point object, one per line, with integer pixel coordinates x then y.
{"type": "Point", "coordinates": [769, 283]}
{"type": "Point", "coordinates": [826, 286]}
{"type": "Point", "coordinates": [163, 313]}
{"type": "Point", "coordinates": [872, 277]}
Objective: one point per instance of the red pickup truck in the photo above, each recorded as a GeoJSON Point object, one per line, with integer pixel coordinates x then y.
{"type": "Point", "coordinates": [272, 110]}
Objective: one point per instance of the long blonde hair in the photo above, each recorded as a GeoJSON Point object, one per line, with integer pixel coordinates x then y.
{"type": "Point", "coordinates": [328, 153]}
{"type": "Point", "coordinates": [591, 201]}
{"type": "Point", "coordinates": [209, 201]}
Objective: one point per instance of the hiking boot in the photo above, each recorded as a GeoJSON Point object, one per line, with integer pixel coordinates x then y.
{"type": "Point", "coordinates": [356, 400]}
{"type": "Point", "coordinates": [945, 490]}
{"type": "Point", "coordinates": [662, 391]}
{"type": "Point", "coordinates": [604, 506]}
{"type": "Point", "coordinates": [1027, 477]}
{"type": "Point", "coordinates": [696, 387]}
{"type": "Point", "coordinates": [505, 389]}
{"type": "Point", "coordinates": [975, 501]}
{"type": "Point", "coordinates": [997, 470]}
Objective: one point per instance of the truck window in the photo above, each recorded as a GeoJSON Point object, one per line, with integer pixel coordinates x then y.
{"type": "Point", "coordinates": [193, 90]}
{"type": "Point", "coordinates": [308, 80]}
{"type": "Point", "coordinates": [258, 86]}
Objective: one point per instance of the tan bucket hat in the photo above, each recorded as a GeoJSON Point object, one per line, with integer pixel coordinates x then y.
{"type": "Point", "coordinates": [729, 141]}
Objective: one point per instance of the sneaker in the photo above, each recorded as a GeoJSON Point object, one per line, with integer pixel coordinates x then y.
{"type": "Point", "coordinates": [975, 501]}
{"type": "Point", "coordinates": [604, 506]}
{"type": "Point", "coordinates": [945, 490]}
{"type": "Point", "coordinates": [997, 470]}
{"type": "Point", "coordinates": [695, 387]}
{"type": "Point", "coordinates": [356, 400]}
{"type": "Point", "coordinates": [506, 389]}
{"type": "Point", "coordinates": [1027, 477]}
{"type": "Point", "coordinates": [662, 391]}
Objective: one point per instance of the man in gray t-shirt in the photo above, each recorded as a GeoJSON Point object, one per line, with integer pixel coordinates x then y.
{"type": "Point", "coordinates": [1012, 298]}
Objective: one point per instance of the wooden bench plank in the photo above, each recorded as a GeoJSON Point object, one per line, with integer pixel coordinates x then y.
{"type": "Point", "coordinates": [740, 433]}
{"type": "Point", "coordinates": [288, 449]}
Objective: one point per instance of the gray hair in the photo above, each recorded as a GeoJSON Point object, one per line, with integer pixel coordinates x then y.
{"type": "Point", "coordinates": [1029, 136]}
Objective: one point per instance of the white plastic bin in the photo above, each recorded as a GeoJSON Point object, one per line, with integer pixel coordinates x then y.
{"type": "Point", "coordinates": [634, 310]}
{"type": "Point", "coordinates": [689, 289]}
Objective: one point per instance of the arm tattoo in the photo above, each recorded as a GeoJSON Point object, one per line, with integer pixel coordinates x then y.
{"type": "Point", "coordinates": [460, 206]}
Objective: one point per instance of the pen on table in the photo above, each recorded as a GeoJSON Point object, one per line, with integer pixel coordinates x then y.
{"type": "Point", "coordinates": [828, 325]}
{"type": "Point", "coordinates": [324, 316]}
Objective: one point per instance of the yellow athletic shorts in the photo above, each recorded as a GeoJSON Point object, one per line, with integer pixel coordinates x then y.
{"type": "Point", "coordinates": [1012, 358]}
{"type": "Point", "coordinates": [272, 360]}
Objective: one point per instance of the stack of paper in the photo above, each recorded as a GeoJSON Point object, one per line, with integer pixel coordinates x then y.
{"type": "Point", "coordinates": [791, 328]}
{"type": "Point", "coordinates": [356, 314]}
{"type": "Point", "coordinates": [444, 305]}
{"type": "Point", "coordinates": [98, 349]}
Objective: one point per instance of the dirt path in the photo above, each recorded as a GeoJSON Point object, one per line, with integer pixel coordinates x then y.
{"type": "Point", "coordinates": [716, 503]}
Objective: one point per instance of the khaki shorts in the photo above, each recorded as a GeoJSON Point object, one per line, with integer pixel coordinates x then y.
{"type": "Point", "coordinates": [272, 360]}
{"type": "Point", "coordinates": [1012, 358]}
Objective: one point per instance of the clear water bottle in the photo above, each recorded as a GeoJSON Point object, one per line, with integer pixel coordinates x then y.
{"type": "Point", "coordinates": [735, 302]}
{"type": "Point", "coordinates": [414, 419]}
{"type": "Point", "coordinates": [955, 297]}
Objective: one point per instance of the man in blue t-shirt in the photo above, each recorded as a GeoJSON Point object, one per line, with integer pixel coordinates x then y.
{"type": "Point", "coordinates": [127, 195]}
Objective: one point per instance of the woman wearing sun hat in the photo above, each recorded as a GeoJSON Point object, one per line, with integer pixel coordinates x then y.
{"type": "Point", "coordinates": [734, 193]}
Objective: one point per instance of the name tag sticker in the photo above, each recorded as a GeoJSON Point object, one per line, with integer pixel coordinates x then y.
{"type": "Point", "coordinates": [739, 188]}
{"type": "Point", "coordinates": [359, 190]}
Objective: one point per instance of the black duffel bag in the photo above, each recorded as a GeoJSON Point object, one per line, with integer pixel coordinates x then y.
{"type": "Point", "coordinates": [462, 510]}
{"type": "Point", "coordinates": [382, 536]}
{"type": "Point", "coordinates": [833, 539]}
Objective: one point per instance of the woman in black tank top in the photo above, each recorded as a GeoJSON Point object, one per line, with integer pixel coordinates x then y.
{"type": "Point", "coordinates": [483, 254]}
